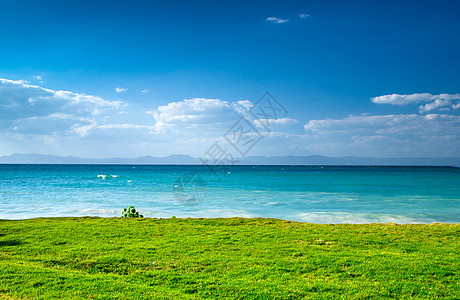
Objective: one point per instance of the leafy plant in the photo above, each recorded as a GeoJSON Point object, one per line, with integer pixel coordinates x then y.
{"type": "Point", "coordinates": [131, 212]}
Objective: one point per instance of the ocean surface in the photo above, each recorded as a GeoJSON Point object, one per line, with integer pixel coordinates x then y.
{"type": "Point", "coordinates": [316, 194]}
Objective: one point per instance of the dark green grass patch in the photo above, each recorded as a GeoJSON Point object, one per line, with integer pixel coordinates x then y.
{"type": "Point", "coordinates": [97, 258]}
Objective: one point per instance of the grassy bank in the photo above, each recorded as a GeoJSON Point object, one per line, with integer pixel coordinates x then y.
{"type": "Point", "coordinates": [96, 258]}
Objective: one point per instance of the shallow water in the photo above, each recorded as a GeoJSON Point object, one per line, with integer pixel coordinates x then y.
{"type": "Point", "coordinates": [301, 193]}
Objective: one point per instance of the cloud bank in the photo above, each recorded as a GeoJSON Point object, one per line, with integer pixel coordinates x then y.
{"type": "Point", "coordinates": [35, 119]}
{"type": "Point", "coordinates": [428, 133]}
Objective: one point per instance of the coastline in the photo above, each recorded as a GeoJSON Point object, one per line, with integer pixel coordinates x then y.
{"type": "Point", "coordinates": [225, 218]}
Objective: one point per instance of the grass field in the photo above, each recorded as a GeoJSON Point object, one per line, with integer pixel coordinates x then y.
{"type": "Point", "coordinates": [98, 258]}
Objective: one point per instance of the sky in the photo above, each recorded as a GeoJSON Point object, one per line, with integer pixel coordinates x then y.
{"type": "Point", "coordinates": [132, 78]}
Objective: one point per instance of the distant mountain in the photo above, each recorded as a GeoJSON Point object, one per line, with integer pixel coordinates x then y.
{"type": "Point", "coordinates": [51, 159]}
{"type": "Point", "coordinates": [351, 161]}
{"type": "Point", "coordinates": [181, 159]}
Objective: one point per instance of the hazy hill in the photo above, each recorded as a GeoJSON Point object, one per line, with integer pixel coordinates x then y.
{"type": "Point", "coordinates": [250, 160]}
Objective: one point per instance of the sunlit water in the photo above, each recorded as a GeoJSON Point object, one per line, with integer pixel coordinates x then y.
{"type": "Point", "coordinates": [310, 193]}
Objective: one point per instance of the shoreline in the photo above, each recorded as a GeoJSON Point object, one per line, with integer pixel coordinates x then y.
{"type": "Point", "coordinates": [225, 218]}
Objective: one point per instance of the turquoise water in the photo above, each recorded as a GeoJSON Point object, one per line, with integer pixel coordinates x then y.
{"type": "Point", "coordinates": [301, 193]}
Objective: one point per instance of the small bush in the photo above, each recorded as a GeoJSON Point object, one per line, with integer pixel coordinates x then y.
{"type": "Point", "coordinates": [131, 212]}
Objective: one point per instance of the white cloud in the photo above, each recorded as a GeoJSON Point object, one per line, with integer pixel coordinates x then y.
{"type": "Point", "coordinates": [386, 135]}
{"type": "Point", "coordinates": [18, 82]}
{"type": "Point", "coordinates": [122, 131]}
{"type": "Point", "coordinates": [437, 104]}
{"type": "Point", "coordinates": [245, 103]}
{"type": "Point", "coordinates": [381, 123]}
{"type": "Point", "coordinates": [434, 102]}
{"type": "Point", "coordinates": [120, 90]}
{"type": "Point", "coordinates": [54, 124]}
{"type": "Point", "coordinates": [33, 109]}
{"type": "Point", "coordinates": [304, 15]}
{"type": "Point", "coordinates": [198, 113]}
{"type": "Point", "coordinates": [397, 99]}
{"type": "Point", "coordinates": [275, 122]}
{"type": "Point", "coordinates": [145, 91]}
{"type": "Point", "coordinates": [276, 20]}
{"type": "Point", "coordinates": [39, 78]}
{"type": "Point", "coordinates": [41, 120]}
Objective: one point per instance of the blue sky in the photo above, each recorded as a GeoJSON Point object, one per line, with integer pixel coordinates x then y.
{"type": "Point", "coordinates": [131, 78]}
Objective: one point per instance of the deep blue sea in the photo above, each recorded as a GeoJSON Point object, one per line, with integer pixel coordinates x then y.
{"type": "Point", "coordinates": [301, 193]}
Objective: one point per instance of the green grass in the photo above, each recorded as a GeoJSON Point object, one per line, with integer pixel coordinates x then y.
{"type": "Point", "coordinates": [85, 258]}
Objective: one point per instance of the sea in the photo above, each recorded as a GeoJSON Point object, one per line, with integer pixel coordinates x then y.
{"type": "Point", "coordinates": [316, 194]}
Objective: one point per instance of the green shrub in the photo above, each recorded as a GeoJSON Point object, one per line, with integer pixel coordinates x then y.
{"type": "Point", "coordinates": [131, 212]}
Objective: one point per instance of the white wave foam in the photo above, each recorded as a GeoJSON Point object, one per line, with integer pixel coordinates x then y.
{"type": "Point", "coordinates": [210, 213]}
{"type": "Point", "coordinates": [227, 213]}
{"type": "Point", "coordinates": [103, 176]}
{"type": "Point", "coordinates": [99, 211]}
{"type": "Point", "coordinates": [356, 218]}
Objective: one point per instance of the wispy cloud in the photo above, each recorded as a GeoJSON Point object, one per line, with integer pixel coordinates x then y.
{"type": "Point", "coordinates": [304, 16]}
{"type": "Point", "coordinates": [276, 20]}
{"type": "Point", "coordinates": [120, 90]}
{"type": "Point", "coordinates": [145, 91]}
{"type": "Point", "coordinates": [274, 122]}
{"type": "Point", "coordinates": [39, 78]}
